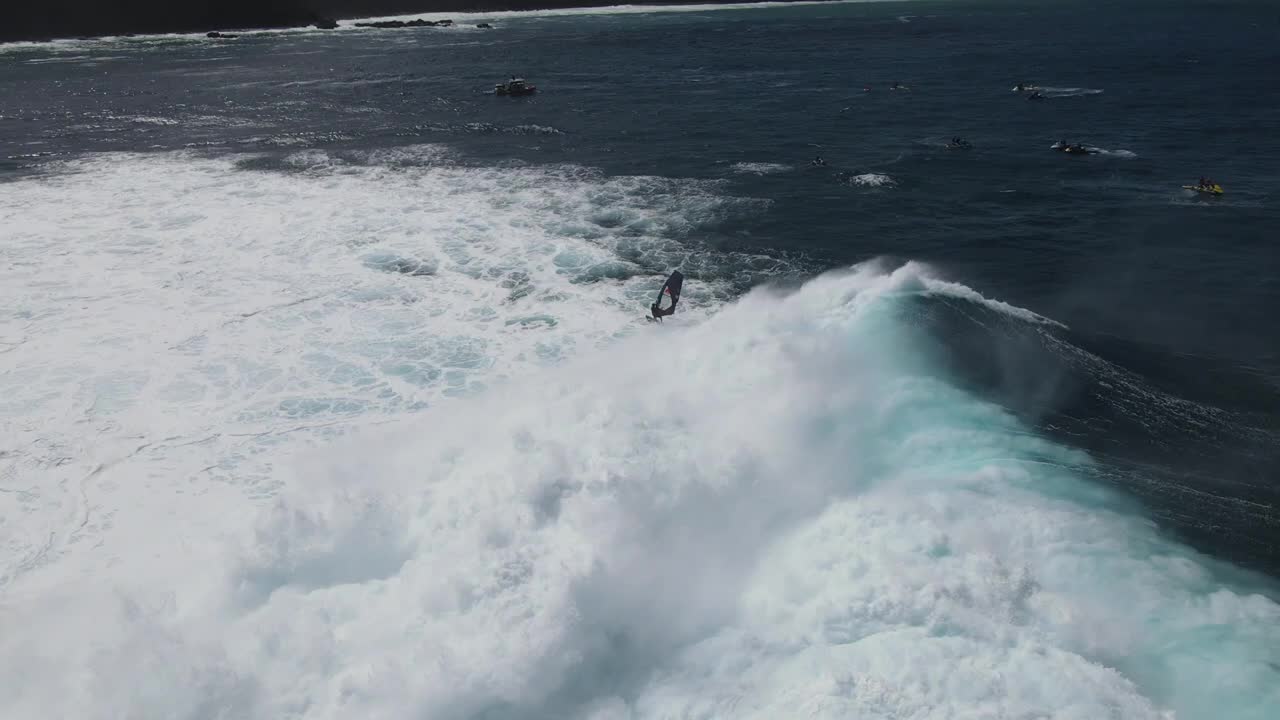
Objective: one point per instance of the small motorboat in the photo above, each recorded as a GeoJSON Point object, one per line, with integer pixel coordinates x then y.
{"type": "Point", "coordinates": [514, 87]}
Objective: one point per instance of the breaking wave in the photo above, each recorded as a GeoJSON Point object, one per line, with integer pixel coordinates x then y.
{"type": "Point", "coordinates": [410, 452]}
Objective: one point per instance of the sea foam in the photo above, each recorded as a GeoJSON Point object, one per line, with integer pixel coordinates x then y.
{"type": "Point", "coordinates": [251, 496]}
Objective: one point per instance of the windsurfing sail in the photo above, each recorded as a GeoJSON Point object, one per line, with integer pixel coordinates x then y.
{"type": "Point", "coordinates": [671, 291]}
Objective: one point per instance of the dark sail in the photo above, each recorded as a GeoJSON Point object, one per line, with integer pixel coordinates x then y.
{"type": "Point", "coordinates": [670, 289]}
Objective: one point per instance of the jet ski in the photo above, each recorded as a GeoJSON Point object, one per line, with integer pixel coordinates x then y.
{"type": "Point", "coordinates": [1035, 96]}
{"type": "Point", "coordinates": [959, 144]}
{"type": "Point", "coordinates": [1020, 87]}
{"type": "Point", "coordinates": [1214, 189]}
{"type": "Point", "coordinates": [1071, 149]}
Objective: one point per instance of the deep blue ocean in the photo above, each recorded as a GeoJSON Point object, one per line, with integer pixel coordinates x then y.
{"type": "Point", "coordinates": [1090, 301]}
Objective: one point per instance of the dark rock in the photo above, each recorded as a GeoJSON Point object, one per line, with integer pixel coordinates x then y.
{"type": "Point", "coordinates": [326, 24]}
{"type": "Point", "coordinates": [402, 24]}
{"type": "Point", "coordinates": [49, 19]}
{"type": "Point", "coordinates": [484, 26]}
{"type": "Point", "coordinates": [221, 36]}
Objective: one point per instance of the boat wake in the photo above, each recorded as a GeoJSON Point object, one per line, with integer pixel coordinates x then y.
{"type": "Point", "coordinates": [760, 168]}
{"type": "Point", "coordinates": [1065, 92]}
{"type": "Point", "coordinates": [869, 180]}
{"type": "Point", "coordinates": [1095, 150]}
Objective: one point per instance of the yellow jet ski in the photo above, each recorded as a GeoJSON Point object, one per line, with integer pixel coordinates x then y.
{"type": "Point", "coordinates": [1214, 189]}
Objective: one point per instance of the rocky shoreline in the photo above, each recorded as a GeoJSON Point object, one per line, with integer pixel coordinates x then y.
{"type": "Point", "coordinates": [55, 19]}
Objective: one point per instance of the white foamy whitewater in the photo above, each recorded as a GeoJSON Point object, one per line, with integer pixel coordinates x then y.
{"type": "Point", "coordinates": [870, 180]}
{"type": "Point", "coordinates": [759, 168]}
{"type": "Point", "coordinates": [384, 436]}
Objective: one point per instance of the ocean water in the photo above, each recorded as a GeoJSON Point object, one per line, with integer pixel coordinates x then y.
{"type": "Point", "coordinates": [326, 391]}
